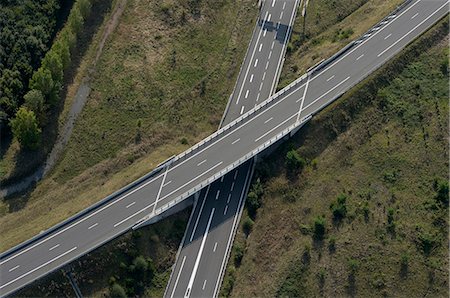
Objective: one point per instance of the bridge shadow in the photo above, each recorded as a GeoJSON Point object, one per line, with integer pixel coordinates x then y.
{"type": "Point", "coordinates": [225, 196]}
{"type": "Point", "coordinates": [281, 30]}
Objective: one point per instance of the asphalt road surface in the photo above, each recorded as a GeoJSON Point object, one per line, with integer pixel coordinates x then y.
{"type": "Point", "coordinates": [204, 250]}
{"type": "Point", "coordinates": [220, 153]}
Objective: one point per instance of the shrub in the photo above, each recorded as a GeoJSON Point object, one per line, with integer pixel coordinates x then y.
{"type": "Point", "coordinates": [247, 226]}
{"type": "Point", "coordinates": [332, 244]}
{"type": "Point", "coordinates": [117, 291]}
{"type": "Point", "coordinates": [25, 128]}
{"type": "Point", "coordinates": [238, 254]}
{"type": "Point", "coordinates": [353, 265]}
{"type": "Point", "coordinates": [140, 264]}
{"type": "Point", "coordinates": [253, 204]}
{"type": "Point", "coordinates": [294, 161]}
{"type": "Point", "coordinates": [339, 208]}
{"type": "Point", "coordinates": [390, 220]}
{"type": "Point", "coordinates": [442, 192]}
{"type": "Point", "coordinates": [319, 227]}
{"type": "Point", "coordinates": [427, 242]}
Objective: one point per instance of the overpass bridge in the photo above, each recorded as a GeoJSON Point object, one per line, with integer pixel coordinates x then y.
{"type": "Point", "coordinates": [184, 175]}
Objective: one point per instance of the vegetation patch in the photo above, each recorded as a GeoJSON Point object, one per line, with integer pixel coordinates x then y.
{"type": "Point", "coordinates": [369, 216]}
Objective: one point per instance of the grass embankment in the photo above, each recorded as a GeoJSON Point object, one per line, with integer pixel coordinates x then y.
{"type": "Point", "coordinates": [161, 85]}
{"type": "Point", "coordinates": [328, 27]}
{"type": "Point", "coordinates": [364, 209]}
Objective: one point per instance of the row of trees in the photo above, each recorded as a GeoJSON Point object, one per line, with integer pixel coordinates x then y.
{"type": "Point", "coordinates": [46, 82]}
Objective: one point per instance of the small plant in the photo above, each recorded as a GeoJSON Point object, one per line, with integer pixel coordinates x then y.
{"type": "Point", "coordinates": [390, 219]}
{"type": "Point", "coordinates": [319, 227]}
{"type": "Point", "coordinates": [366, 210]}
{"type": "Point", "coordinates": [339, 208]}
{"type": "Point", "coordinates": [184, 141]}
{"type": "Point", "coordinates": [353, 265]}
{"type": "Point", "coordinates": [332, 244]}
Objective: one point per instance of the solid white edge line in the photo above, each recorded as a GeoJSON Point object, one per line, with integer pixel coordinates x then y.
{"type": "Point", "coordinates": [178, 277]}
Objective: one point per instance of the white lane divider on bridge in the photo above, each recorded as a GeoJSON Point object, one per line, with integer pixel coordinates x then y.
{"type": "Point", "coordinates": [330, 78]}
{"type": "Point", "coordinates": [215, 247]}
{"type": "Point", "coordinates": [93, 226]}
{"type": "Point", "coordinates": [359, 57]}
{"type": "Point", "coordinates": [204, 285]}
{"type": "Point", "coordinates": [53, 247]}
{"type": "Point", "coordinates": [200, 163]}
{"type": "Point", "coordinates": [387, 36]}
{"type": "Point", "coordinates": [13, 268]}
{"type": "Point", "coordinates": [217, 194]}
{"type": "Point", "coordinates": [200, 252]}
{"type": "Point", "coordinates": [129, 205]}
{"type": "Point", "coordinates": [235, 141]}
{"type": "Point", "coordinates": [134, 214]}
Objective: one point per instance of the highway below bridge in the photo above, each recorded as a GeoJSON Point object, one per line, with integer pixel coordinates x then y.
{"type": "Point", "coordinates": [220, 153]}
{"type": "Point", "coordinates": [205, 247]}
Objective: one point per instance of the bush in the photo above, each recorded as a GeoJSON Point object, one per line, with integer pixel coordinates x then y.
{"type": "Point", "coordinates": [238, 254]}
{"type": "Point", "coordinates": [253, 204]}
{"type": "Point", "coordinates": [319, 227]}
{"type": "Point", "coordinates": [294, 162]}
{"type": "Point", "coordinates": [117, 291]}
{"type": "Point", "coordinates": [442, 192]}
{"type": "Point", "coordinates": [390, 220]}
{"type": "Point", "coordinates": [25, 128]}
{"type": "Point", "coordinates": [427, 242]}
{"type": "Point", "coordinates": [339, 208]}
{"type": "Point", "coordinates": [353, 265]}
{"type": "Point", "coordinates": [247, 226]}
{"type": "Point", "coordinates": [332, 244]}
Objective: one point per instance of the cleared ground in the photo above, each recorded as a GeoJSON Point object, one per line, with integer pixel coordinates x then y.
{"type": "Point", "coordinates": [384, 148]}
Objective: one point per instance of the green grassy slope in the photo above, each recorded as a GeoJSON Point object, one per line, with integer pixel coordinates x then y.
{"type": "Point", "coordinates": [384, 147]}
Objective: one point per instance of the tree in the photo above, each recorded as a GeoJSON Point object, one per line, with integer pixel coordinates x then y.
{"type": "Point", "coordinates": [42, 80]}
{"type": "Point", "coordinates": [25, 128]}
{"type": "Point", "coordinates": [75, 20]}
{"type": "Point", "coordinates": [117, 291]}
{"type": "Point", "coordinates": [84, 7]}
{"type": "Point", "coordinates": [34, 101]}
{"type": "Point", "coordinates": [52, 62]}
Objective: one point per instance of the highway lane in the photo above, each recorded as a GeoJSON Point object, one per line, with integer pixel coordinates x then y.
{"type": "Point", "coordinates": [207, 161]}
{"type": "Point", "coordinates": [204, 250]}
